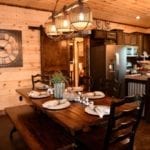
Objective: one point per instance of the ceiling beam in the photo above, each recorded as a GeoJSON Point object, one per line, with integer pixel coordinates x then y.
{"type": "Point", "coordinates": [26, 7]}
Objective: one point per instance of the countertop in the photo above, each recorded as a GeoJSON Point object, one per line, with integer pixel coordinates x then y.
{"type": "Point", "coordinates": [137, 77]}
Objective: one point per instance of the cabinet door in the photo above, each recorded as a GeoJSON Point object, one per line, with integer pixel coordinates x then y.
{"type": "Point", "coordinates": [133, 39]}
{"type": "Point", "coordinates": [146, 43]}
{"type": "Point", "coordinates": [130, 38]}
{"type": "Point", "coordinates": [140, 43]}
{"type": "Point", "coordinates": [120, 37]}
{"type": "Point", "coordinates": [127, 39]}
{"type": "Point", "coordinates": [97, 64]}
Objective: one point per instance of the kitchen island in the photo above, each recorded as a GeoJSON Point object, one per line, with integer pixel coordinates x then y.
{"type": "Point", "coordinates": [139, 84]}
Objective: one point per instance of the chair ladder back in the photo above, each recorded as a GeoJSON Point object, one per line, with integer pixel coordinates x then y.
{"type": "Point", "coordinates": [39, 78]}
{"type": "Point", "coordinates": [122, 124]}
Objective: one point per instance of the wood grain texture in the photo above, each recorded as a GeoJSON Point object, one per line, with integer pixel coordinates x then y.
{"type": "Point", "coordinates": [112, 10]}
{"type": "Point", "coordinates": [37, 130]}
{"type": "Point", "coordinates": [16, 77]}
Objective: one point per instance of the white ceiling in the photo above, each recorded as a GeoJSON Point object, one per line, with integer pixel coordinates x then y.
{"type": "Point", "coordinates": [119, 11]}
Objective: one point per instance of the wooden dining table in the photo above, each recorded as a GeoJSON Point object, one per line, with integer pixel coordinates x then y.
{"type": "Point", "coordinates": [73, 118]}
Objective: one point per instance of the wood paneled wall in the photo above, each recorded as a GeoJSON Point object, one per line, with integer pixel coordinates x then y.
{"type": "Point", "coordinates": [13, 78]}
{"type": "Point", "coordinates": [18, 77]}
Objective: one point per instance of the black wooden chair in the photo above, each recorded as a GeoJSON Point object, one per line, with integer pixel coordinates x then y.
{"type": "Point", "coordinates": [39, 78]}
{"type": "Point", "coordinates": [116, 88]}
{"type": "Point", "coordinates": [110, 87]}
{"type": "Point", "coordinates": [119, 133]}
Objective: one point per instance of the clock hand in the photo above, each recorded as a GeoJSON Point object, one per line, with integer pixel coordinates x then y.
{"type": "Point", "coordinates": [2, 48]}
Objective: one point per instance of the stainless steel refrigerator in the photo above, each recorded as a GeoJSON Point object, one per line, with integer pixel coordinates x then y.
{"type": "Point", "coordinates": [110, 61]}
{"type": "Point", "coordinates": [123, 56]}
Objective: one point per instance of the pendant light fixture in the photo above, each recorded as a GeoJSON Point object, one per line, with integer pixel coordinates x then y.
{"type": "Point", "coordinates": [75, 17]}
{"type": "Point", "coordinates": [50, 26]}
{"type": "Point", "coordinates": [81, 16]}
{"type": "Point", "coordinates": [63, 22]}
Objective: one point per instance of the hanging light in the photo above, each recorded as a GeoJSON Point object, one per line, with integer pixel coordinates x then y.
{"type": "Point", "coordinates": [63, 22]}
{"type": "Point", "coordinates": [51, 28]}
{"type": "Point", "coordinates": [81, 16]}
{"type": "Point", "coordinates": [76, 16]}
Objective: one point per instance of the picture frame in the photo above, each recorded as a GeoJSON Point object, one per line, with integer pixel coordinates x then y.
{"type": "Point", "coordinates": [10, 48]}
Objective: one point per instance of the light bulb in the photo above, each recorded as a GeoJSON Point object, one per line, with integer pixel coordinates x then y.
{"type": "Point", "coordinates": [81, 16]}
{"type": "Point", "coordinates": [53, 28]}
{"type": "Point", "coordinates": [65, 23]}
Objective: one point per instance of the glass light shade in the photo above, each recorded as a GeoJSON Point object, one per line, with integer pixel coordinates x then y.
{"type": "Point", "coordinates": [81, 17]}
{"type": "Point", "coordinates": [50, 28]}
{"type": "Point", "coordinates": [63, 23]}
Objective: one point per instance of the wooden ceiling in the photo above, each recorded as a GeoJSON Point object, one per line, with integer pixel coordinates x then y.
{"type": "Point", "coordinates": [119, 11]}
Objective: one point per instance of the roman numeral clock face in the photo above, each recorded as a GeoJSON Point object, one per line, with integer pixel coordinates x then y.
{"type": "Point", "coordinates": [9, 49]}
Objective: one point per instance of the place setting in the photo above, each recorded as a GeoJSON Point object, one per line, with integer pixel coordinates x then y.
{"type": "Point", "coordinates": [97, 110]}
{"type": "Point", "coordinates": [56, 104]}
{"type": "Point", "coordinates": [38, 94]}
{"type": "Point", "coordinates": [94, 95]}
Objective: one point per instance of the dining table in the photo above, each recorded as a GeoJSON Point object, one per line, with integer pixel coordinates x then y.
{"type": "Point", "coordinates": [73, 118]}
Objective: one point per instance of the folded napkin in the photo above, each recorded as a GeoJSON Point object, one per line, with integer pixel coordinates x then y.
{"type": "Point", "coordinates": [36, 93]}
{"type": "Point", "coordinates": [102, 110]}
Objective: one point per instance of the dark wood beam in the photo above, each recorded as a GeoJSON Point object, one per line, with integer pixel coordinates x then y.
{"type": "Point", "coordinates": [34, 27]}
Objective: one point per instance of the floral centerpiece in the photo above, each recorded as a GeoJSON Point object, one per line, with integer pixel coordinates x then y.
{"type": "Point", "coordinates": [58, 80]}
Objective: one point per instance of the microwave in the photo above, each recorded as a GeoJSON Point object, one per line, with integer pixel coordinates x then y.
{"type": "Point", "coordinates": [132, 50]}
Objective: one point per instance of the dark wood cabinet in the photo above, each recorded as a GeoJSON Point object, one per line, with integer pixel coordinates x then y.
{"type": "Point", "coordinates": [106, 35]}
{"type": "Point", "coordinates": [119, 37]}
{"type": "Point", "coordinates": [146, 43]}
{"type": "Point", "coordinates": [130, 38]}
{"type": "Point", "coordinates": [127, 39]}
{"type": "Point", "coordinates": [97, 64]}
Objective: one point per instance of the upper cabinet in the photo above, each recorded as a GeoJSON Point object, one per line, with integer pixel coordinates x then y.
{"type": "Point", "coordinates": [130, 39]}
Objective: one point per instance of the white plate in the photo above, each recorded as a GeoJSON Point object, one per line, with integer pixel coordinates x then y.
{"type": "Point", "coordinates": [56, 104]}
{"type": "Point", "coordinates": [36, 94]}
{"type": "Point", "coordinates": [103, 110]}
{"type": "Point", "coordinates": [94, 95]}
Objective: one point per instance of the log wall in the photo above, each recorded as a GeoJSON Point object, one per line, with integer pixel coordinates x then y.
{"type": "Point", "coordinates": [14, 18]}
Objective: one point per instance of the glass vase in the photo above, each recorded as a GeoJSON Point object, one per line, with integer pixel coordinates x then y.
{"type": "Point", "coordinates": [59, 89]}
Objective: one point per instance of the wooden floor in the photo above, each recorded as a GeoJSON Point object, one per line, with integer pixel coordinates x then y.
{"type": "Point", "coordinates": [142, 141]}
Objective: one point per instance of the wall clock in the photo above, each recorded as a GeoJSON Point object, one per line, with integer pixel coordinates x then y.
{"type": "Point", "coordinates": [10, 48]}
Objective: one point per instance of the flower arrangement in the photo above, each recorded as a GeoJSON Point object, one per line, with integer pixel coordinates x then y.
{"type": "Point", "coordinates": [58, 77]}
